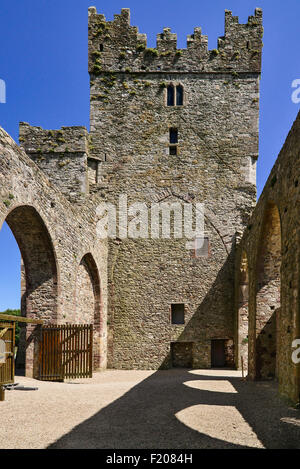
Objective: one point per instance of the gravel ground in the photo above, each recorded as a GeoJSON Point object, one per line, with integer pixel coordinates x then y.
{"type": "Point", "coordinates": [172, 409]}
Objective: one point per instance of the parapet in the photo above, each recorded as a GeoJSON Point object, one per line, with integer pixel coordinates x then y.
{"type": "Point", "coordinates": [64, 140]}
{"type": "Point", "coordinates": [116, 46]}
{"type": "Point", "coordinates": [61, 154]}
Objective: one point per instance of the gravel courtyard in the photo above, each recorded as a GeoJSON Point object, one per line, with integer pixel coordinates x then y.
{"type": "Point", "coordinates": [176, 408]}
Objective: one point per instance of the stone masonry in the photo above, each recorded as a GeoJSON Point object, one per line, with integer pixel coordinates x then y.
{"type": "Point", "coordinates": [217, 149]}
{"type": "Point", "coordinates": [55, 237]}
{"type": "Point", "coordinates": [267, 275]}
{"type": "Point", "coordinates": [67, 269]}
{"type": "Point", "coordinates": [167, 126]}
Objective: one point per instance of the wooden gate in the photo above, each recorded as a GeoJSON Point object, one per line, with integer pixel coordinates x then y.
{"type": "Point", "coordinates": [66, 351]}
{"type": "Point", "coordinates": [7, 367]}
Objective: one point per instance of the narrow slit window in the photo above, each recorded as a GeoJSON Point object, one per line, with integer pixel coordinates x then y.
{"type": "Point", "coordinates": [179, 95]}
{"type": "Point", "coordinates": [101, 47]}
{"type": "Point", "coordinates": [173, 135]}
{"type": "Point", "coordinates": [170, 95]}
{"type": "Point", "coordinates": [177, 313]}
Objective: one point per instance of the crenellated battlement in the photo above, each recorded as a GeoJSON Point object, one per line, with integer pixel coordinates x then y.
{"type": "Point", "coordinates": [116, 46]}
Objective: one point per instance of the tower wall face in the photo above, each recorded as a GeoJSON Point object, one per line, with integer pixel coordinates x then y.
{"type": "Point", "coordinates": [214, 164]}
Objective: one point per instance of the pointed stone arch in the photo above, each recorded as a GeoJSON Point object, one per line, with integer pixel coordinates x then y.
{"type": "Point", "coordinates": [268, 284]}
{"type": "Point", "coordinates": [88, 301]}
{"type": "Point", "coordinates": [39, 278]}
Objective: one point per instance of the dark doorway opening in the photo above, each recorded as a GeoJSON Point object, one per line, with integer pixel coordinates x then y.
{"type": "Point", "coordinates": [218, 359]}
{"type": "Point", "coordinates": [182, 354]}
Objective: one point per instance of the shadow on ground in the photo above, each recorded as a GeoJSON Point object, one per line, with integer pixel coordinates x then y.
{"type": "Point", "coordinates": [145, 417]}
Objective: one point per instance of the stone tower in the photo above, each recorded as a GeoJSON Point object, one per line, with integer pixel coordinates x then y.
{"type": "Point", "coordinates": [169, 129]}
{"type": "Point", "coordinates": [174, 125]}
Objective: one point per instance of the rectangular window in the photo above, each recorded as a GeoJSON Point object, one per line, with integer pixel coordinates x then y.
{"type": "Point", "coordinates": [173, 135]}
{"type": "Point", "coordinates": [173, 150]}
{"type": "Point", "coordinates": [177, 313]}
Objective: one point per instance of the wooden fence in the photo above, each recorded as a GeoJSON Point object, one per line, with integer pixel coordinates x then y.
{"type": "Point", "coordinates": [7, 369]}
{"type": "Point", "coordinates": [66, 351]}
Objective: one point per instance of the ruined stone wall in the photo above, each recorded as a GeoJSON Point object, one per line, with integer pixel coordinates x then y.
{"type": "Point", "coordinates": [53, 236]}
{"type": "Point", "coordinates": [128, 152]}
{"type": "Point", "coordinates": [215, 164]}
{"type": "Point", "coordinates": [85, 298]}
{"type": "Point", "coordinates": [271, 242]}
{"type": "Point", "coordinates": [61, 154]}
{"type": "Point", "coordinates": [242, 299]}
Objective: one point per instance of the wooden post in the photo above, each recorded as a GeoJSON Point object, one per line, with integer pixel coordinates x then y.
{"type": "Point", "coordinates": [2, 393]}
{"type": "Point", "coordinates": [91, 351]}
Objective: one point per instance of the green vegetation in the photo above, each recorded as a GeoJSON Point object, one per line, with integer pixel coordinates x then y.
{"type": "Point", "coordinates": [178, 54]}
{"type": "Point", "coordinates": [150, 53]}
{"type": "Point", "coordinates": [96, 54]}
{"type": "Point", "coordinates": [14, 312]}
{"type": "Point", "coordinates": [140, 47]}
{"type": "Point", "coordinates": [166, 53]}
{"type": "Point", "coordinates": [96, 69]}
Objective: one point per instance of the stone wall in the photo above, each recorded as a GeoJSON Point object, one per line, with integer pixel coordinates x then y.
{"type": "Point", "coordinates": [61, 154]}
{"type": "Point", "coordinates": [50, 194]}
{"type": "Point", "coordinates": [53, 236]}
{"type": "Point", "coordinates": [116, 46]}
{"type": "Point", "coordinates": [271, 243]}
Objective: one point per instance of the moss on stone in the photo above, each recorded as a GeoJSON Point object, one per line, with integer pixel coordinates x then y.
{"type": "Point", "coordinates": [150, 53]}
{"type": "Point", "coordinates": [214, 53]}
{"type": "Point", "coordinates": [140, 47]}
{"type": "Point", "coordinates": [96, 69]}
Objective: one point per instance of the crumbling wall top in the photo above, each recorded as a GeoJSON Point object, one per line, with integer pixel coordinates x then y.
{"type": "Point", "coordinates": [65, 140]}
{"type": "Point", "coordinates": [117, 46]}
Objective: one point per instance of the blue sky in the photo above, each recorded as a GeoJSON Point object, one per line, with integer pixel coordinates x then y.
{"type": "Point", "coordinates": [43, 61]}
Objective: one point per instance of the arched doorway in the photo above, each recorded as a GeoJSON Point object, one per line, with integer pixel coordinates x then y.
{"type": "Point", "coordinates": [88, 298]}
{"type": "Point", "coordinates": [268, 294]}
{"type": "Point", "coordinates": [38, 279]}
